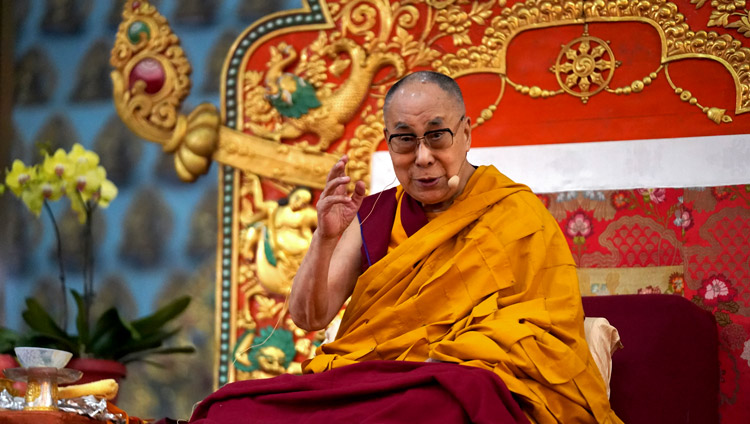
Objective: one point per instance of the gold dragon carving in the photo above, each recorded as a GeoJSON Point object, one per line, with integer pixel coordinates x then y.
{"type": "Point", "coordinates": [336, 107]}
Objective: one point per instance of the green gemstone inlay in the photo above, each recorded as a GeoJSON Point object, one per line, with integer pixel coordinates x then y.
{"type": "Point", "coordinates": [136, 29]}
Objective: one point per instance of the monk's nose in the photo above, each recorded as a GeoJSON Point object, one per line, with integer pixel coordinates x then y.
{"type": "Point", "coordinates": [424, 155]}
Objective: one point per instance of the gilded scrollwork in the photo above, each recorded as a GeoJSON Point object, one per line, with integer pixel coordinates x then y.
{"type": "Point", "coordinates": [150, 80]}
{"type": "Point", "coordinates": [680, 42]}
{"type": "Point", "coordinates": [149, 56]}
{"type": "Point", "coordinates": [366, 138]}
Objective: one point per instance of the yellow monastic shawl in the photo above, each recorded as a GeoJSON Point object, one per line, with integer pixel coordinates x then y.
{"type": "Point", "coordinates": [488, 283]}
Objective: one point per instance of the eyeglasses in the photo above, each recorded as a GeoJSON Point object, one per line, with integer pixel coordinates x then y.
{"type": "Point", "coordinates": [434, 140]}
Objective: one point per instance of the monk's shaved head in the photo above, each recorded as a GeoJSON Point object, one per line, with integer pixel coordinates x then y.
{"type": "Point", "coordinates": [446, 83]}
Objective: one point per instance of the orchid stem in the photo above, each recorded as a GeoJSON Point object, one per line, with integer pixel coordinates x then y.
{"type": "Point", "coordinates": [88, 266]}
{"type": "Point", "coordinates": [64, 321]}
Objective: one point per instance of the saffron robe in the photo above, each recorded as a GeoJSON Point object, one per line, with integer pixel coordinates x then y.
{"type": "Point", "coordinates": [489, 283]}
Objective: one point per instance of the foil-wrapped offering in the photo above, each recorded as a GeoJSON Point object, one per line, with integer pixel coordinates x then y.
{"type": "Point", "coordinates": [92, 407]}
{"type": "Point", "coordinates": [8, 401]}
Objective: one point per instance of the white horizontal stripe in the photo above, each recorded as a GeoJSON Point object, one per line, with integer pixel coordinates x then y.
{"type": "Point", "coordinates": [671, 162]}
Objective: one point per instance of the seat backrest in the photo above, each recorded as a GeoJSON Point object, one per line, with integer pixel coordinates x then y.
{"type": "Point", "coordinates": [668, 370]}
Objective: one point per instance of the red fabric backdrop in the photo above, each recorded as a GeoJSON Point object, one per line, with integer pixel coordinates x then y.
{"type": "Point", "coordinates": [706, 231]}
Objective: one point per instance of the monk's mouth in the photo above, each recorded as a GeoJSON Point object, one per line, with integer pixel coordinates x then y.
{"type": "Point", "coordinates": [428, 181]}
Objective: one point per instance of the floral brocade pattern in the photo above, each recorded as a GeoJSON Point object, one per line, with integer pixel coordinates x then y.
{"type": "Point", "coordinates": [705, 232]}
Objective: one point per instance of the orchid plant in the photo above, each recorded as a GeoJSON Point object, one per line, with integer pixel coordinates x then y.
{"type": "Point", "coordinates": [77, 176]}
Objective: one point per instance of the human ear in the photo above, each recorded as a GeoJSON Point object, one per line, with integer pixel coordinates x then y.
{"type": "Point", "coordinates": [467, 133]}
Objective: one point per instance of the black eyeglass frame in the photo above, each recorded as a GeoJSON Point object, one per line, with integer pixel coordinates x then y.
{"type": "Point", "coordinates": [424, 137]}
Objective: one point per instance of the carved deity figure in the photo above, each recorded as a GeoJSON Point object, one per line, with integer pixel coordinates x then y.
{"type": "Point", "coordinates": [277, 235]}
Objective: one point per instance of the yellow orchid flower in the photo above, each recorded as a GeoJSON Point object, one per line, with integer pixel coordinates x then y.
{"type": "Point", "coordinates": [19, 176]}
{"type": "Point", "coordinates": [52, 190]}
{"type": "Point", "coordinates": [83, 160]}
{"type": "Point", "coordinates": [33, 197]}
{"type": "Point", "coordinates": [107, 193]}
{"type": "Point", "coordinates": [58, 165]}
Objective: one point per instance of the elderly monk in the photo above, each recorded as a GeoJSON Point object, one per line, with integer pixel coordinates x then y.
{"type": "Point", "coordinates": [458, 264]}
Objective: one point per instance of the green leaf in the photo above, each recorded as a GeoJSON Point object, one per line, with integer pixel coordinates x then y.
{"type": "Point", "coordinates": [110, 337]}
{"type": "Point", "coordinates": [37, 318]}
{"type": "Point", "coordinates": [81, 322]}
{"type": "Point", "coordinates": [153, 341]}
{"type": "Point", "coordinates": [8, 340]}
{"type": "Point", "coordinates": [110, 334]}
{"type": "Point", "coordinates": [154, 322]}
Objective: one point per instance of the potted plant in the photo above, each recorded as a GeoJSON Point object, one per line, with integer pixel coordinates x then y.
{"type": "Point", "coordinates": [77, 176]}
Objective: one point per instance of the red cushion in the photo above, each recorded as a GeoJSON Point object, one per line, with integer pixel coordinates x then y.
{"type": "Point", "coordinates": [668, 370]}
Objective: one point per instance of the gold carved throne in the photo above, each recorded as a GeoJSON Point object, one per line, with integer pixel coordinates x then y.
{"type": "Point", "coordinates": [300, 88]}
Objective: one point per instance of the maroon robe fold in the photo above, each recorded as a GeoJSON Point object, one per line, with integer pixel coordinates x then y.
{"type": "Point", "coordinates": [367, 392]}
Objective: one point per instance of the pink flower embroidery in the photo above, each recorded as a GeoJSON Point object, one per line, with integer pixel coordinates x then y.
{"type": "Point", "coordinates": [746, 352]}
{"type": "Point", "coordinates": [683, 218]}
{"type": "Point", "coordinates": [715, 289]}
{"type": "Point", "coordinates": [649, 290]}
{"type": "Point", "coordinates": [656, 195]}
{"type": "Point", "coordinates": [579, 227]}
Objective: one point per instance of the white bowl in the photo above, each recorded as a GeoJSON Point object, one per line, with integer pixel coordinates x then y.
{"type": "Point", "coordinates": [30, 357]}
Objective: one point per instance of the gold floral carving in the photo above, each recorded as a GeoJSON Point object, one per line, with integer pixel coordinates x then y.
{"type": "Point", "coordinates": [156, 113]}
{"type": "Point", "coordinates": [730, 14]}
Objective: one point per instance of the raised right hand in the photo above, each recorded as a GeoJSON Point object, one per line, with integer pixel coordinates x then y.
{"type": "Point", "coordinates": [336, 208]}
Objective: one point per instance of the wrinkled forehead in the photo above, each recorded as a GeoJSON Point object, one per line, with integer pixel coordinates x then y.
{"type": "Point", "coordinates": [423, 101]}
